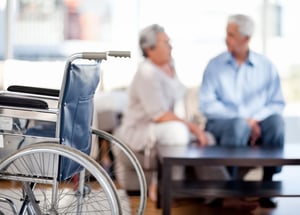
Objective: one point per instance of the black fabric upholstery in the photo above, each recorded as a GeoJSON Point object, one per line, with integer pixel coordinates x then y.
{"type": "Point", "coordinates": [22, 102]}
{"type": "Point", "coordinates": [33, 90]}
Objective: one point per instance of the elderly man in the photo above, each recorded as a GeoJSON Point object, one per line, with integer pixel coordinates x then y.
{"type": "Point", "coordinates": [241, 96]}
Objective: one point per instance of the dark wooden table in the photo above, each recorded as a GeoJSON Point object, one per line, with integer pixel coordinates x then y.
{"type": "Point", "coordinates": [169, 156]}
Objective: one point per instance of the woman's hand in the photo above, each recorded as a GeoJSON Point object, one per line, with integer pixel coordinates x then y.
{"type": "Point", "coordinates": [199, 133]}
{"type": "Point", "coordinates": [194, 128]}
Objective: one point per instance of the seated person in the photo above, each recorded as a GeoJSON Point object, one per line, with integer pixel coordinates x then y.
{"type": "Point", "coordinates": [153, 92]}
{"type": "Point", "coordinates": [241, 96]}
{"type": "Point", "coordinates": [150, 117]}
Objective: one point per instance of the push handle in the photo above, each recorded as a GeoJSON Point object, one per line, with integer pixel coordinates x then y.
{"type": "Point", "coordinates": [103, 55]}
{"type": "Point", "coordinates": [118, 53]}
{"type": "Point", "coordinates": [94, 55]}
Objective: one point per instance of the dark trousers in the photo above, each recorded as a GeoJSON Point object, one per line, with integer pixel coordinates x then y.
{"type": "Point", "coordinates": [236, 132]}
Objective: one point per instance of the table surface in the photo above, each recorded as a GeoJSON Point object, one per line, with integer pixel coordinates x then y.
{"type": "Point", "coordinates": [241, 156]}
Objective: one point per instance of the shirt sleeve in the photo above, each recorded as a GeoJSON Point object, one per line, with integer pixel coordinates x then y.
{"type": "Point", "coordinates": [209, 103]}
{"type": "Point", "coordinates": [275, 102]}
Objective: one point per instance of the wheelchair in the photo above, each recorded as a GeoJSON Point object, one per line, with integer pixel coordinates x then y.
{"type": "Point", "coordinates": [46, 137]}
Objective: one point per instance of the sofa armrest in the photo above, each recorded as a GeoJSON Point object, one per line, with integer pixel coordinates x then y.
{"type": "Point", "coordinates": [107, 120]}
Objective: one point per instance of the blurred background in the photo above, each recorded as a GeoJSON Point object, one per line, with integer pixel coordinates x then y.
{"type": "Point", "coordinates": [36, 37]}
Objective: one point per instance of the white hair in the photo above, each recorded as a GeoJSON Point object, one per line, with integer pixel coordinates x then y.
{"type": "Point", "coordinates": [148, 37]}
{"type": "Point", "coordinates": [245, 24]}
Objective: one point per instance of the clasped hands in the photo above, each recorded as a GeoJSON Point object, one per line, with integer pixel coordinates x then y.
{"type": "Point", "coordinates": [255, 131]}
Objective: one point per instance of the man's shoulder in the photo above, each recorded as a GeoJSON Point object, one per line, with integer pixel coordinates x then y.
{"type": "Point", "coordinates": [221, 56]}
{"type": "Point", "coordinates": [259, 57]}
{"type": "Point", "coordinates": [218, 60]}
{"type": "Point", "coordinates": [261, 61]}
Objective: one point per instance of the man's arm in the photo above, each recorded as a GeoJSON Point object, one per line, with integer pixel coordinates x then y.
{"type": "Point", "coordinates": [210, 95]}
{"type": "Point", "coordinates": [274, 102]}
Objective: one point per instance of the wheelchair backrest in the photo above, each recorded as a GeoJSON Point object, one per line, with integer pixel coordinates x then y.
{"type": "Point", "coordinates": [76, 106]}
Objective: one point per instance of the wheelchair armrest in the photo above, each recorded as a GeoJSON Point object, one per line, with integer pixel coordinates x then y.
{"type": "Point", "coordinates": [34, 90]}
{"type": "Point", "coordinates": [12, 101]}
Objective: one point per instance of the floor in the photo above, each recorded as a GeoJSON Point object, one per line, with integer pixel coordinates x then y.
{"type": "Point", "coordinates": [285, 205]}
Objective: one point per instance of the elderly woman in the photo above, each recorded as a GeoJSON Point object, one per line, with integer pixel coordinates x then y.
{"type": "Point", "coordinates": [154, 91]}
{"type": "Point", "coordinates": [151, 117]}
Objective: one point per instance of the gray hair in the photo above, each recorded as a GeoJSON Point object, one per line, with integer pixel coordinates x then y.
{"type": "Point", "coordinates": [148, 37]}
{"type": "Point", "coordinates": [245, 24]}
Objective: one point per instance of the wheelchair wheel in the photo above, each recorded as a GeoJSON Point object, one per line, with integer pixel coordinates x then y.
{"type": "Point", "coordinates": [118, 150]}
{"type": "Point", "coordinates": [29, 179]}
{"type": "Point", "coordinates": [9, 203]}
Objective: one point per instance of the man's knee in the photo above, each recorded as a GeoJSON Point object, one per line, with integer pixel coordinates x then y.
{"type": "Point", "coordinates": [278, 124]}
{"type": "Point", "coordinates": [273, 130]}
{"type": "Point", "coordinates": [238, 133]}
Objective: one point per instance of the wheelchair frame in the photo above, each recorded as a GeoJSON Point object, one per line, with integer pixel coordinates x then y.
{"type": "Point", "coordinates": [67, 151]}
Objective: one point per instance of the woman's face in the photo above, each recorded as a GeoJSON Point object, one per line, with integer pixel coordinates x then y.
{"type": "Point", "coordinates": [161, 53]}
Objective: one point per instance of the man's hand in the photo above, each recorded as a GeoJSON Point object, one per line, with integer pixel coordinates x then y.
{"type": "Point", "coordinates": [255, 131]}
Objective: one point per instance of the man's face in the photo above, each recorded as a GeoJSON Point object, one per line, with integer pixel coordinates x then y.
{"type": "Point", "coordinates": [161, 53]}
{"type": "Point", "coordinates": [235, 41]}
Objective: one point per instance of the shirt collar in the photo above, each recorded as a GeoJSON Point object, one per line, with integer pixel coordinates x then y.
{"type": "Point", "coordinates": [251, 60]}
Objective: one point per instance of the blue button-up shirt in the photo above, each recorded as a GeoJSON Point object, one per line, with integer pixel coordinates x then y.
{"type": "Point", "coordinates": [251, 90]}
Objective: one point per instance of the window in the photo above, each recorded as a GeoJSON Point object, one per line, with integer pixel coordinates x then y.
{"type": "Point", "coordinates": [53, 29]}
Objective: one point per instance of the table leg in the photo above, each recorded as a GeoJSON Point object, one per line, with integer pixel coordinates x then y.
{"type": "Point", "coordinates": [166, 188]}
{"type": "Point", "coordinates": [159, 185]}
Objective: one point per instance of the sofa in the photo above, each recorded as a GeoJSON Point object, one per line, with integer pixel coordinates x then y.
{"type": "Point", "coordinates": [109, 106]}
